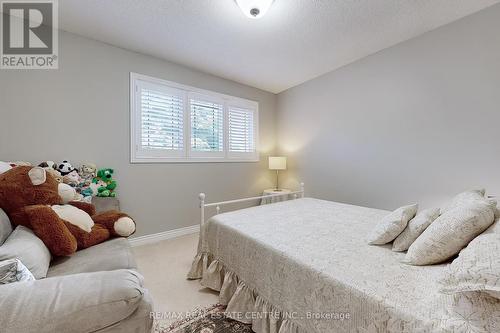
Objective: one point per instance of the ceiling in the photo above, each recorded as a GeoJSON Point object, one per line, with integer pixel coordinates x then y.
{"type": "Point", "coordinates": [295, 41]}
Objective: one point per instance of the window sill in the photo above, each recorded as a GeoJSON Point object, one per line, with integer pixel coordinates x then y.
{"type": "Point", "coordinates": [139, 160]}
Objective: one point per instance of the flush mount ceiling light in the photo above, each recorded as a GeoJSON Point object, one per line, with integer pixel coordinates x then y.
{"type": "Point", "coordinates": [254, 9]}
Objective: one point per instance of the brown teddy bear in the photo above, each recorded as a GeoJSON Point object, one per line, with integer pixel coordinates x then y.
{"type": "Point", "coordinates": [30, 197]}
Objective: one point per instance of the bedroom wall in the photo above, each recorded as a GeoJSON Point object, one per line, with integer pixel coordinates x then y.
{"type": "Point", "coordinates": [417, 122]}
{"type": "Point", "coordinates": [81, 113]}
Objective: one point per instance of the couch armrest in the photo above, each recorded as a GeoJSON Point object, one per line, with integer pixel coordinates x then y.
{"type": "Point", "coordinates": [83, 302]}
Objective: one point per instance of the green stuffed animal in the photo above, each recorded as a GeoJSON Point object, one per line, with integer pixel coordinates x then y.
{"type": "Point", "coordinates": [106, 175]}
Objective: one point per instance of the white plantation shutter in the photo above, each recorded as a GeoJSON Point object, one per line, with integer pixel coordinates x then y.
{"type": "Point", "coordinates": [171, 122]}
{"type": "Point", "coordinates": [162, 123]}
{"type": "Point", "coordinates": [241, 129]}
{"type": "Point", "coordinates": [207, 127]}
{"type": "Point", "coordinates": [160, 120]}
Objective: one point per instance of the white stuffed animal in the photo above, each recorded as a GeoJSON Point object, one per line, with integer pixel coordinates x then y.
{"type": "Point", "coordinates": [4, 166]}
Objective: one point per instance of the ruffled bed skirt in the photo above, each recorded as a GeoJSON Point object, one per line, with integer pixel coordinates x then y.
{"type": "Point", "coordinates": [243, 304]}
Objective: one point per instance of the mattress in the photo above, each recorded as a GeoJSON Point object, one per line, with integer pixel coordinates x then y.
{"type": "Point", "coordinates": [309, 261]}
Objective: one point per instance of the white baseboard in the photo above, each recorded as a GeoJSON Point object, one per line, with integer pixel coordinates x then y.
{"type": "Point", "coordinates": [153, 238]}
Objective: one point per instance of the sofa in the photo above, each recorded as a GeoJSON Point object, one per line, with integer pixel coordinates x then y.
{"type": "Point", "coordinates": [95, 290]}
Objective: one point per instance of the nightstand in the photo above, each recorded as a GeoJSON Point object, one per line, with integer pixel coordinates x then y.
{"type": "Point", "coordinates": [271, 191]}
{"type": "Point", "coordinates": [103, 204]}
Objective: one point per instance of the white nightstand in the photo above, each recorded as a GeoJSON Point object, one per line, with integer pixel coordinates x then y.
{"type": "Point", "coordinates": [271, 191]}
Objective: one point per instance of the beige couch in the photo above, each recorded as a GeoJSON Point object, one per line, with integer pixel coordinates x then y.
{"type": "Point", "coordinates": [95, 290]}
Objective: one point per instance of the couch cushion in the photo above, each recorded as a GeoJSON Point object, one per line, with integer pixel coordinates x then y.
{"type": "Point", "coordinates": [107, 256]}
{"type": "Point", "coordinates": [5, 226]}
{"type": "Point", "coordinates": [86, 302]}
{"type": "Point", "coordinates": [24, 245]}
{"type": "Point", "coordinates": [139, 321]}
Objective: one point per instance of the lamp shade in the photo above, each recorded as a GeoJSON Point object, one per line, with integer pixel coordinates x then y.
{"type": "Point", "coordinates": [277, 163]}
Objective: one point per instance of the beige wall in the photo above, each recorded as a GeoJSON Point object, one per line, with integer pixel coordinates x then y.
{"type": "Point", "coordinates": [81, 113]}
{"type": "Point", "coordinates": [416, 122]}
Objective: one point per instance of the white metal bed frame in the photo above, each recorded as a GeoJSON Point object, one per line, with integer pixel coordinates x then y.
{"type": "Point", "coordinates": [217, 205]}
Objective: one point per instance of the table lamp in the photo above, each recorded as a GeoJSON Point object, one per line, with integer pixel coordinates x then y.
{"type": "Point", "coordinates": [277, 163]}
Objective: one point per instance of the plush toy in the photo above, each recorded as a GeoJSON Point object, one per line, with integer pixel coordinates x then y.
{"type": "Point", "coordinates": [87, 191]}
{"type": "Point", "coordinates": [72, 178]}
{"type": "Point", "coordinates": [56, 174]}
{"type": "Point", "coordinates": [30, 197]}
{"type": "Point", "coordinates": [19, 163]}
{"type": "Point", "coordinates": [88, 172]}
{"type": "Point", "coordinates": [96, 185]}
{"type": "Point", "coordinates": [106, 175]}
{"type": "Point", "coordinates": [48, 165]}
{"type": "Point", "coordinates": [65, 167]}
{"type": "Point", "coordinates": [4, 166]}
{"type": "Point", "coordinates": [67, 193]}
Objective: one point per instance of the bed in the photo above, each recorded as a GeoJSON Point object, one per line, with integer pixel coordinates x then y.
{"type": "Point", "coordinates": [304, 266]}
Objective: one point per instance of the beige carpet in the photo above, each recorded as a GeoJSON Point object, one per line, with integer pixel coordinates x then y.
{"type": "Point", "coordinates": [164, 266]}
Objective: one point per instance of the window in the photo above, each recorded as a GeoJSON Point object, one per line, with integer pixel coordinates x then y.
{"type": "Point", "coordinates": [176, 123]}
{"type": "Point", "coordinates": [207, 126]}
{"type": "Point", "coordinates": [241, 130]}
{"type": "Point", "coordinates": [161, 121]}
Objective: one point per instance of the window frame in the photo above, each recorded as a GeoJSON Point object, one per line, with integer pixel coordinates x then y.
{"type": "Point", "coordinates": [138, 155]}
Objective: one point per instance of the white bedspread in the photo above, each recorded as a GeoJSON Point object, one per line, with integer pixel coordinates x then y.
{"type": "Point", "coordinates": [310, 257]}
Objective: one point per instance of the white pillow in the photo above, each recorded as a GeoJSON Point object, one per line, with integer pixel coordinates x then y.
{"type": "Point", "coordinates": [392, 225]}
{"type": "Point", "coordinates": [13, 270]}
{"type": "Point", "coordinates": [451, 232]}
{"type": "Point", "coordinates": [477, 268]}
{"type": "Point", "coordinates": [8, 271]}
{"type": "Point", "coordinates": [463, 198]}
{"type": "Point", "coordinates": [415, 228]}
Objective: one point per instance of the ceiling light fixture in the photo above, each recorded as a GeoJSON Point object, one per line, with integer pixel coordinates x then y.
{"type": "Point", "coordinates": [254, 9]}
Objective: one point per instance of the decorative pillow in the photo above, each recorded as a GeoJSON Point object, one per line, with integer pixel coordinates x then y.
{"type": "Point", "coordinates": [29, 249]}
{"type": "Point", "coordinates": [8, 271]}
{"type": "Point", "coordinates": [415, 228]}
{"type": "Point", "coordinates": [451, 232]}
{"type": "Point", "coordinates": [464, 198]}
{"type": "Point", "coordinates": [477, 268]}
{"type": "Point", "coordinates": [13, 270]}
{"type": "Point", "coordinates": [392, 225]}
{"type": "Point", "coordinates": [5, 227]}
